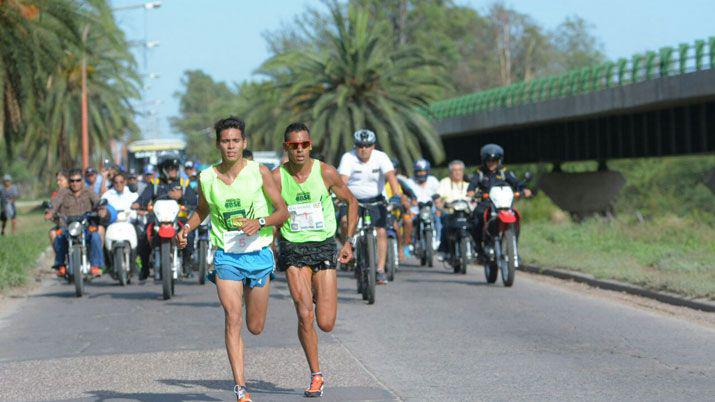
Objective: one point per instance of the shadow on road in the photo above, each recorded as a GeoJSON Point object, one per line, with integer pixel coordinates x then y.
{"type": "Point", "coordinates": [458, 282]}
{"type": "Point", "coordinates": [254, 386]}
{"type": "Point", "coordinates": [150, 397]}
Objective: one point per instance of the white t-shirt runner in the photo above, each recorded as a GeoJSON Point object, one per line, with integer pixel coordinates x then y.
{"type": "Point", "coordinates": [365, 179]}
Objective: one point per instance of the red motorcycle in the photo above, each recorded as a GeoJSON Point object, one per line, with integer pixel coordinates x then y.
{"type": "Point", "coordinates": [501, 233]}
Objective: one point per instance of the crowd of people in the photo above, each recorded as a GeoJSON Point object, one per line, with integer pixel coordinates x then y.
{"type": "Point", "coordinates": [298, 209]}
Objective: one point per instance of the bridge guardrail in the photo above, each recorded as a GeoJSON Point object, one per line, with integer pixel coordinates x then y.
{"type": "Point", "coordinates": [668, 61]}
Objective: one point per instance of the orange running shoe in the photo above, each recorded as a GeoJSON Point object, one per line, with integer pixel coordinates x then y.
{"type": "Point", "coordinates": [242, 394]}
{"type": "Point", "coordinates": [61, 271]}
{"type": "Point", "coordinates": [316, 386]}
{"type": "Point", "coordinates": [95, 272]}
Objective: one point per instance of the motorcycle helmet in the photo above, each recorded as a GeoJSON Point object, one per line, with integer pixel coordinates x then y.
{"type": "Point", "coordinates": [167, 164]}
{"type": "Point", "coordinates": [364, 137]}
{"type": "Point", "coordinates": [491, 152]}
{"type": "Point", "coordinates": [422, 169]}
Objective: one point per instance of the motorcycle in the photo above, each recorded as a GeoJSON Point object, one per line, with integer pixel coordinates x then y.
{"type": "Point", "coordinates": [459, 238]}
{"type": "Point", "coordinates": [202, 257]}
{"type": "Point", "coordinates": [78, 248]}
{"type": "Point", "coordinates": [120, 241]}
{"type": "Point", "coordinates": [424, 234]}
{"type": "Point", "coordinates": [501, 233]}
{"type": "Point", "coordinates": [394, 214]}
{"type": "Point", "coordinates": [166, 256]}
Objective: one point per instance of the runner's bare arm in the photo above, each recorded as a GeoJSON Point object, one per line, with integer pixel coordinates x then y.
{"type": "Point", "coordinates": [276, 173]}
{"type": "Point", "coordinates": [280, 211]}
{"type": "Point", "coordinates": [198, 216]}
{"type": "Point", "coordinates": [337, 185]}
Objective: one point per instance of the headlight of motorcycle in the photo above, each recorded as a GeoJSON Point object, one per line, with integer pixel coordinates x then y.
{"type": "Point", "coordinates": [460, 206]}
{"type": "Point", "coordinates": [75, 228]}
{"type": "Point", "coordinates": [425, 215]}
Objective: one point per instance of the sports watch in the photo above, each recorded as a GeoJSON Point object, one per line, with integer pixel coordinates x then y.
{"type": "Point", "coordinates": [262, 222]}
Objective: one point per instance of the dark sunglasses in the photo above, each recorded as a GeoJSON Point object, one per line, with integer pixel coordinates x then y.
{"type": "Point", "coordinates": [75, 180]}
{"type": "Point", "coordinates": [363, 145]}
{"type": "Point", "coordinates": [295, 144]}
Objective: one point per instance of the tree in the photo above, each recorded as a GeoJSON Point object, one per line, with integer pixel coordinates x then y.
{"type": "Point", "coordinates": [357, 79]}
{"type": "Point", "coordinates": [575, 44]}
{"type": "Point", "coordinates": [40, 58]}
{"type": "Point", "coordinates": [202, 101]}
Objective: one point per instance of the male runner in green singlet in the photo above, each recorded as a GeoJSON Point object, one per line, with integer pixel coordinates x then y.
{"type": "Point", "coordinates": [236, 193]}
{"type": "Point", "coordinates": [308, 249]}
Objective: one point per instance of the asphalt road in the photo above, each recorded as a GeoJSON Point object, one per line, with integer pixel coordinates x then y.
{"type": "Point", "coordinates": [432, 335]}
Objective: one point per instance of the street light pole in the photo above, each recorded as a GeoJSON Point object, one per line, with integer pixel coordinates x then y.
{"type": "Point", "coordinates": [85, 124]}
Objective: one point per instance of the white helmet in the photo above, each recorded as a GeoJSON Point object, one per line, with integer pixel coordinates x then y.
{"type": "Point", "coordinates": [364, 137]}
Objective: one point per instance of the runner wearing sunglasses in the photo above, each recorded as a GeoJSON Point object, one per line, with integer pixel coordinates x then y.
{"type": "Point", "coordinates": [365, 171]}
{"type": "Point", "coordinates": [308, 249]}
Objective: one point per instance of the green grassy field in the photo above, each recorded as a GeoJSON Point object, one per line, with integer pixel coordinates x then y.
{"type": "Point", "coordinates": [18, 253]}
{"type": "Point", "coordinates": [667, 253]}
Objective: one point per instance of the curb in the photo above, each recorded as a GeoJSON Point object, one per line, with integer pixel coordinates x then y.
{"type": "Point", "coordinates": [663, 297]}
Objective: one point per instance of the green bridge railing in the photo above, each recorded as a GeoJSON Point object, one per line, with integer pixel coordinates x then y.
{"type": "Point", "coordinates": [668, 61]}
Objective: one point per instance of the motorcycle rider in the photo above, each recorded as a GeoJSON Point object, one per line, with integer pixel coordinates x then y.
{"type": "Point", "coordinates": [425, 188]}
{"type": "Point", "coordinates": [451, 188]}
{"type": "Point", "coordinates": [120, 197]}
{"type": "Point", "coordinates": [489, 173]}
{"type": "Point", "coordinates": [190, 171]}
{"type": "Point", "coordinates": [77, 201]}
{"type": "Point", "coordinates": [167, 187]}
{"type": "Point", "coordinates": [365, 170]}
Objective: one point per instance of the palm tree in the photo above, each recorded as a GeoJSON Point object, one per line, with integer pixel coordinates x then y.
{"type": "Point", "coordinates": [40, 53]}
{"type": "Point", "coordinates": [33, 36]}
{"type": "Point", "coordinates": [355, 78]}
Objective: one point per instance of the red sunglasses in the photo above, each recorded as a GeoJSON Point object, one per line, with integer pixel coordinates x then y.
{"type": "Point", "coordinates": [295, 144]}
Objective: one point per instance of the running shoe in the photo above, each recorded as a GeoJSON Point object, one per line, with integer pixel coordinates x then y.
{"type": "Point", "coordinates": [61, 271]}
{"type": "Point", "coordinates": [381, 278]}
{"type": "Point", "coordinates": [316, 387]}
{"type": "Point", "coordinates": [242, 394]}
{"type": "Point", "coordinates": [95, 272]}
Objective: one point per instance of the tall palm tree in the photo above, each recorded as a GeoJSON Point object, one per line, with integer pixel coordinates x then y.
{"type": "Point", "coordinates": [41, 49]}
{"type": "Point", "coordinates": [355, 78]}
{"type": "Point", "coordinates": [33, 36]}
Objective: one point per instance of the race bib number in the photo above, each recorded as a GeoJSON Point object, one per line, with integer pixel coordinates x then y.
{"type": "Point", "coordinates": [307, 216]}
{"type": "Point", "coordinates": [239, 243]}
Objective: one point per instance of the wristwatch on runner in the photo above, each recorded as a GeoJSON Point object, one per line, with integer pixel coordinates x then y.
{"type": "Point", "coordinates": [262, 222]}
{"type": "Point", "coordinates": [352, 240]}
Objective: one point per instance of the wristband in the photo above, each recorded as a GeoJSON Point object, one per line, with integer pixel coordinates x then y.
{"type": "Point", "coordinates": [187, 226]}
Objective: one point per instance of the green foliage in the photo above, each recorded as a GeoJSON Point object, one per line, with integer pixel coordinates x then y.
{"type": "Point", "coordinates": [41, 49]}
{"type": "Point", "coordinates": [355, 79]}
{"type": "Point", "coordinates": [667, 253]}
{"type": "Point", "coordinates": [18, 253]}
{"type": "Point", "coordinates": [202, 101]}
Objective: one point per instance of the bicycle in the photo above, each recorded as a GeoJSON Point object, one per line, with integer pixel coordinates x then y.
{"type": "Point", "coordinates": [366, 252]}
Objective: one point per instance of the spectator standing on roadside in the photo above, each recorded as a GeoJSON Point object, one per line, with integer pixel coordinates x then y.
{"type": "Point", "coordinates": [8, 195]}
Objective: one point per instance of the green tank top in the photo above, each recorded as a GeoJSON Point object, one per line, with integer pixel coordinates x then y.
{"type": "Point", "coordinates": [244, 198]}
{"type": "Point", "coordinates": [312, 215]}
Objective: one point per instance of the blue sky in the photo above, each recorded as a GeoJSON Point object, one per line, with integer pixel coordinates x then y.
{"type": "Point", "coordinates": [223, 37]}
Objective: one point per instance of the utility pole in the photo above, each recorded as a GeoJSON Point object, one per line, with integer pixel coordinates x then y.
{"type": "Point", "coordinates": [85, 124]}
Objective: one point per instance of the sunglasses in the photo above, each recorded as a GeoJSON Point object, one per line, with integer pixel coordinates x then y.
{"type": "Point", "coordinates": [363, 145]}
{"type": "Point", "coordinates": [75, 180]}
{"type": "Point", "coordinates": [295, 144]}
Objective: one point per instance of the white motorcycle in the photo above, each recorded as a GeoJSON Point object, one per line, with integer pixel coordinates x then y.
{"type": "Point", "coordinates": [120, 241]}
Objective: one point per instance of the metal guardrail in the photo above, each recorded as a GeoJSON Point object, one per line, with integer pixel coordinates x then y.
{"type": "Point", "coordinates": [668, 61]}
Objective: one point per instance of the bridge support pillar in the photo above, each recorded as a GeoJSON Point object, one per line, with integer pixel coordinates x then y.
{"type": "Point", "coordinates": [710, 180]}
{"type": "Point", "coordinates": [583, 194]}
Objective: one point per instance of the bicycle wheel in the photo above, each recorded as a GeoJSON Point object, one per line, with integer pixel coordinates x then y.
{"type": "Point", "coordinates": [371, 269]}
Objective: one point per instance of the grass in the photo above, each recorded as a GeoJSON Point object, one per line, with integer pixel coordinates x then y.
{"type": "Point", "coordinates": [675, 254]}
{"type": "Point", "coordinates": [19, 252]}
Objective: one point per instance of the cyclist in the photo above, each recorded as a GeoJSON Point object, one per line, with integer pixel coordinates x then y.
{"type": "Point", "coordinates": [365, 170]}
{"type": "Point", "coordinates": [308, 248]}
{"type": "Point", "coordinates": [490, 172]}
{"type": "Point", "coordinates": [405, 236]}
{"type": "Point", "coordinates": [237, 194]}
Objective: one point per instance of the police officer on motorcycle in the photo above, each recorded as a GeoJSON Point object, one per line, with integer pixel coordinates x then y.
{"type": "Point", "coordinates": [490, 173]}
{"type": "Point", "coordinates": [169, 186]}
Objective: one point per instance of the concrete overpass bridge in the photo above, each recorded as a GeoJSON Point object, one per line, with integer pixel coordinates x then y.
{"type": "Point", "coordinates": [653, 104]}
